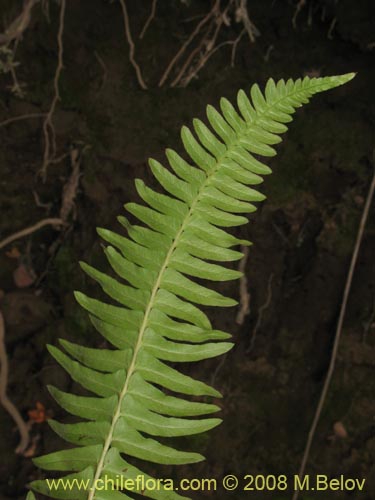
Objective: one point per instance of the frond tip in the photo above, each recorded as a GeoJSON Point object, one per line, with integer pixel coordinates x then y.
{"type": "Point", "coordinates": [156, 317]}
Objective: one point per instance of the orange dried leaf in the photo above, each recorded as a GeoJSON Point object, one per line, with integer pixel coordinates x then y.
{"type": "Point", "coordinates": [339, 430]}
{"type": "Point", "coordinates": [38, 415]}
{"type": "Point", "coordinates": [23, 277]}
{"type": "Point", "coordinates": [13, 253]}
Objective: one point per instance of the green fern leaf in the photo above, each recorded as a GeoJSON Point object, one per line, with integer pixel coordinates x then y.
{"type": "Point", "coordinates": [157, 317]}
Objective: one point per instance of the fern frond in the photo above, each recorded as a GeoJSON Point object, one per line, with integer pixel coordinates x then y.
{"type": "Point", "coordinates": [158, 318]}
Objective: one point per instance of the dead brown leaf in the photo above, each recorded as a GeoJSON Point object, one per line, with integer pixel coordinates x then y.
{"type": "Point", "coordinates": [23, 276]}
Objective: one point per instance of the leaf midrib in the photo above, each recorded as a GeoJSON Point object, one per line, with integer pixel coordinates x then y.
{"type": "Point", "coordinates": [156, 287]}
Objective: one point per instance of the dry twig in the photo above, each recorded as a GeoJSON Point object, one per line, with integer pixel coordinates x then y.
{"type": "Point", "coordinates": [19, 25]}
{"type": "Point", "coordinates": [4, 400]}
{"type": "Point", "coordinates": [268, 53]}
{"type": "Point", "coordinates": [331, 28]}
{"type": "Point", "coordinates": [209, 48]}
{"type": "Point", "coordinates": [71, 187]}
{"type": "Point", "coordinates": [193, 73]}
{"type": "Point", "coordinates": [310, 15]}
{"type": "Point", "coordinates": [299, 7]}
{"type": "Point", "coordinates": [69, 194]}
{"type": "Point", "coordinates": [340, 322]}
{"type": "Point", "coordinates": [131, 45]}
{"type": "Point", "coordinates": [16, 88]}
{"type": "Point", "coordinates": [206, 48]}
{"type": "Point", "coordinates": [45, 10]}
{"type": "Point", "coordinates": [181, 51]}
{"type": "Point", "coordinates": [40, 204]}
{"type": "Point", "coordinates": [149, 19]}
{"type": "Point", "coordinates": [30, 230]}
{"type": "Point", "coordinates": [67, 203]}
{"type": "Point", "coordinates": [234, 48]}
{"type": "Point", "coordinates": [48, 128]}
{"type": "Point", "coordinates": [193, 53]}
{"type": "Point", "coordinates": [243, 16]}
{"type": "Point", "coordinates": [104, 69]}
{"type": "Point", "coordinates": [21, 117]}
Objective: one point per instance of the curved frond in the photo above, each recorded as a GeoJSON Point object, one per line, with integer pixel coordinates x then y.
{"type": "Point", "coordinates": [137, 396]}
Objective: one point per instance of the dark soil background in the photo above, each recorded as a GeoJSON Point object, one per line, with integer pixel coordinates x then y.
{"type": "Point", "coordinates": [303, 234]}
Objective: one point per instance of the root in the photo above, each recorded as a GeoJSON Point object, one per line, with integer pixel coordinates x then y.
{"type": "Point", "coordinates": [19, 25]}
{"type": "Point", "coordinates": [48, 128]}
{"type": "Point", "coordinates": [71, 187]}
{"type": "Point", "coordinates": [181, 51]}
{"type": "Point", "coordinates": [21, 117]}
{"type": "Point", "coordinates": [243, 16]}
{"type": "Point", "coordinates": [4, 400]}
{"type": "Point", "coordinates": [104, 69]}
{"type": "Point", "coordinates": [298, 8]}
{"type": "Point", "coordinates": [149, 19]}
{"type": "Point", "coordinates": [331, 28]}
{"type": "Point", "coordinates": [234, 48]}
{"type": "Point", "coordinates": [131, 46]}
{"type": "Point", "coordinates": [30, 230]}
{"type": "Point", "coordinates": [340, 323]}
{"type": "Point", "coordinates": [206, 48]}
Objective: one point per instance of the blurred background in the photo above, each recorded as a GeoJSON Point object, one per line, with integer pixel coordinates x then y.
{"type": "Point", "coordinates": [89, 90]}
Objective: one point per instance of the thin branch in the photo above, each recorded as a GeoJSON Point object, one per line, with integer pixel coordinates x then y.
{"type": "Point", "coordinates": [149, 19]}
{"type": "Point", "coordinates": [48, 127]}
{"type": "Point", "coordinates": [310, 15]}
{"type": "Point", "coordinates": [192, 54]}
{"type": "Point", "coordinates": [192, 18]}
{"type": "Point", "coordinates": [19, 25]}
{"type": "Point", "coordinates": [30, 230]}
{"type": "Point", "coordinates": [131, 46]}
{"type": "Point", "coordinates": [340, 322]}
{"type": "Point", "coordinates": [16, 88]}
{"type": "Point", "coordinates": [45, 10]}
{"type": "Point", "coordinates": [266, 56]}
{"type": "Point", "coordinates": [298, 8]}
{"type": "Point", "coordinates": [104, 69]}
{"type": "Point", "coordinates": [71, 187]}
{"type": "Point", "coordinates": [209, 48]}
{"type": "Point", "coordinates": [243, 16]}
{"type": "Point", "coordinates": [203, 61]}
{"type": "Point", "coordinates": [4, 400]}
{"type": "Point", "coordinates": [188, 41]}
{"type": "Point", "coordinates": [234, 48]}
{"type": "Point", "coordinates": [59, 159]}
{"type": "Point", "coordinates": [331, 28]}
{"type": "Point", "coordinates": [40, 204]}
{"type": "Point", "coordinates": [21, 117]}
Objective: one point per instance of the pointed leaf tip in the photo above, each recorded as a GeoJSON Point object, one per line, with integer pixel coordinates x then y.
{"type": "Point", "coordinates": [336, 81]}
{"type": "Point", "coordinates": [347, 77]}
{"type": "Point", "coordinates": [342, 79]}
{"type": "Point", "coordinates": [78, 295]}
